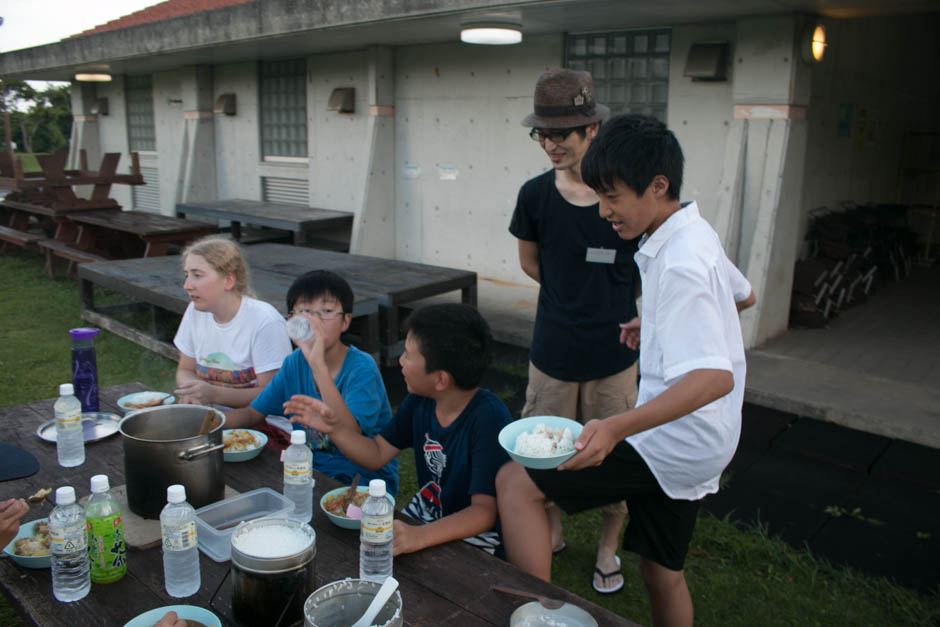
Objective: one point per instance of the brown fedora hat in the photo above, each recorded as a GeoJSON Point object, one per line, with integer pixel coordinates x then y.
{"type": "Point", "coordinates": [565, 99]}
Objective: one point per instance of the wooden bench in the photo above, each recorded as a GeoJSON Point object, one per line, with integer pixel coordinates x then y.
{"type": "Point", "coordinates": [54, 248]}
{"type": "Point", "coordinates": [20, 238]}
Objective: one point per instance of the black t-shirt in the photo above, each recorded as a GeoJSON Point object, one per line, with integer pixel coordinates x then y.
{"type": "Point", "coordinates": [576, 335]}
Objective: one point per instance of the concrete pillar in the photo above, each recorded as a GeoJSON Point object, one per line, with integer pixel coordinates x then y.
{"type": "Point", "coordinates": [197, 174]}
{"type": "Point", "coordinates": [374, 226]}
{"type": "Point", "coordinates": [84, 125]}
{"type": "Point", "coordinates": [761, 188]}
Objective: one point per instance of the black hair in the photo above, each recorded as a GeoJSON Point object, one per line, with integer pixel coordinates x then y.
{"type": "Point", "coordinates": [320, 283]}
{"type": "Point", "coordinates": [454, 338]}
{"type": "Point", "coordinates": [635, 149]}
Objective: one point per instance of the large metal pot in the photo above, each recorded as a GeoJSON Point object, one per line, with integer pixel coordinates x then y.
{"type": "Point", "coordinates": [162, 446]}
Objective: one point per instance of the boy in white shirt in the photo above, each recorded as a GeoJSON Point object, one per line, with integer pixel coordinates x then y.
{"type": "Point", "coordinates": [666, 454]}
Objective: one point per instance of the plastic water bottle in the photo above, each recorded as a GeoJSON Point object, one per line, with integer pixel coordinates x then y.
{"type": "Point", "coordinates": [298, 476]}
{"type": "Point", "coordinates": [69, 437]}
{"type": "Point", "coordinates": [375, 536]}
{"type": "Point", "coordinates": [106, 549]}
{"type": "Point", "coordinates": [299, 329]}
{"type": "Point", "coordinates": [180, 553]}
{"type": "Point", "coordinates": [68, 549]}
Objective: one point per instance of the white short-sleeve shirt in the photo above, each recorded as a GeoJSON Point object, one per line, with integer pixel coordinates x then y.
{"type": "Point", "coordinates": [689, 322]}
{"type": "Point", "coordinates": [234, 353]}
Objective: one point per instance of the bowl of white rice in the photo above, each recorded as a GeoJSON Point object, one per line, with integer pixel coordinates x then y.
{"type": "Point", "coordinates": [540, 441]}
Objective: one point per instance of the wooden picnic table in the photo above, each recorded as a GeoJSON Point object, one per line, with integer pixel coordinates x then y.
{"type": "Point", "coordinates": [396, 282]}
{"type": "Point", "coordinates": [448, 584]}
{"type": "Point", "coordinates": [133, 230]}
{"type": "Point", "coordinates": [158, 282]}
{"type": "Point", "coordinates": [308, 224]}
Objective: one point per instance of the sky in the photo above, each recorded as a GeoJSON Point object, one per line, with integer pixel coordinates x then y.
{"type": "Point", "coordinates": [28, 23]}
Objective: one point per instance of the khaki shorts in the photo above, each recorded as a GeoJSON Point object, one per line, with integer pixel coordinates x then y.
{"type": "Point", "coordinates": [599, 398]}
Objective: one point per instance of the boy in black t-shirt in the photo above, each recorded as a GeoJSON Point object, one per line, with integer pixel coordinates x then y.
{"type": "Point", "coordinates": [450, 421]}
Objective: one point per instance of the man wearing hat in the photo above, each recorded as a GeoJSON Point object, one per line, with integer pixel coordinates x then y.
{"type": "Point", "coordinates": [588, 285]}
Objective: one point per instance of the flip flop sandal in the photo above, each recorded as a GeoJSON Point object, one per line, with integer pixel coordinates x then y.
{"type": "Point", "coordinates": [558, 549]}
{"type": "Point", "coordinates": [604, 576]}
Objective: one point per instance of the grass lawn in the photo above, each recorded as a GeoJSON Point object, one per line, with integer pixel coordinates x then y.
{"type": "Point", "coordinates": [737, 576]}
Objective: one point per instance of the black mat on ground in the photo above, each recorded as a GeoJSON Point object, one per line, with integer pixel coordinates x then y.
{"type": "Point", "coordinates": [832, 444]}
{"type": "Point", "coordinates": [16, 463]}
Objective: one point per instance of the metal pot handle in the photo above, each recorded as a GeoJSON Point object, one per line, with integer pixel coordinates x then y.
{"type": "Point", "coordinates": [199, 451]}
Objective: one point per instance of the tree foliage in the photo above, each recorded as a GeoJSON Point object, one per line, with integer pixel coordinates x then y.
{"type": "Point", "coordinates": [40, 120]}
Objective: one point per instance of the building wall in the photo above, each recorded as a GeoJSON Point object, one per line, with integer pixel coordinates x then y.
{"type": "Point", "coordinates": [237, 145]}
{"type": "Point", "coordinates": [112, 134]}
{"type": "Point", "coordinates": [461, 153]}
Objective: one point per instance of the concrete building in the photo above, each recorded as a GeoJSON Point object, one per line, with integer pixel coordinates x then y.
{"type": "Point", "coordinates": [245, 100]}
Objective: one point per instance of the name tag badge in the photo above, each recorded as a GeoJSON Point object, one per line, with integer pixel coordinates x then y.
{"type": "Point", "coordinates": [601, 255]}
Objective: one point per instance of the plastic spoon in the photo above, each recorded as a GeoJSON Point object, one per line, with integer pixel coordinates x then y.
{"type": "Point", "coordinates": [381, 598]}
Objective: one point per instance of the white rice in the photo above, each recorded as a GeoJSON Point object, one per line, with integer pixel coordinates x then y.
{"type": "Point", "coordinates": [545, 442]}
{"type": "Point", "coordinates": [271, 541]}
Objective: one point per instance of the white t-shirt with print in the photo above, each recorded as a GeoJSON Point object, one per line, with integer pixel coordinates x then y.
{"type": "Point", "coordinates": [232, 354]}
{"type": "Point", "coordinates": [689, 322]}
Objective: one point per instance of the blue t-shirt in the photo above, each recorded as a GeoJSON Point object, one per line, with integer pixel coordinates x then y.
{"type": "Point", "coordinates": [454, 462]}
{"type": "Point", "coordinates": [360, 384]}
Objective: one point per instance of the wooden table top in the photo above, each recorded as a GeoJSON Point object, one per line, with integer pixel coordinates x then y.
{"type": "Point", "coordinates": [142, 223]}
{"type": "Point", "coordinates": [270, 214]}
{"type": "Point", "coordinates": [448, 584]}
{"type": "Point", "coordinates": [159, 281]}
{"type": "Point", "coordinates": [397, 282]}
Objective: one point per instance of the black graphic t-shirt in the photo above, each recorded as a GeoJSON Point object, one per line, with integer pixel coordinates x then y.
{"type": "Point", "coordinates": [454, 462]}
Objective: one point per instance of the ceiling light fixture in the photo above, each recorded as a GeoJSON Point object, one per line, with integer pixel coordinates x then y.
{"type": "Point", "coordinates": [93, 78]}
{"type": "Point", "coordinates": [491, 33]}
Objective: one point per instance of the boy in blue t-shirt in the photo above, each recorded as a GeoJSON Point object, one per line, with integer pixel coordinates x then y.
{"type": "Point", "coordinates": [342, 376]}
{"type": "Point", "coordinates": [450, 421]}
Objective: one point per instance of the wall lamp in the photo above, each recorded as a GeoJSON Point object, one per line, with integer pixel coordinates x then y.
{"type": "Point", "coordinates": [491, 31]}
{"type": "Point", "coordinates": [342, 99]}
{"type": "Point", "coordinates": [813, 44]}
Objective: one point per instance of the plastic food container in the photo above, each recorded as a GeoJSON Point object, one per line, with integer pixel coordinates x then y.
{"type": "Point", "coordinates": [216, 522]}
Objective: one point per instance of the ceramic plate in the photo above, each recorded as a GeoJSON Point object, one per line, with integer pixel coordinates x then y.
{"type": "Point", "coordinates": [342, 521]}
{"type": "Point", "coordinates": [189, 612]}
{"type": "Point", "coordinates": [95, 425]}
{"type": "Point", "coordinates": [509, 433]}
{"type": "Point", "coordinates": [534, 615]}
{"type": "Point", "coordinates": [26, 531]}
{"type": "Point", "coordinates": [241, 456]}
{"type": "Point", "coordinates": [142, 400]}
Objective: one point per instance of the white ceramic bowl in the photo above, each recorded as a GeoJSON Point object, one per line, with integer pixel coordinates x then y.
{"type": "Point", "coordinates": [509, 433]}
{"type": "Point", "coordinates": [241, 456]}
{"type": "Point", "coordinates": [342, 521]}
{"type": "Point", "coordinates": [189, 612]}
{"type": "Point", "coordinates": [26, 531]}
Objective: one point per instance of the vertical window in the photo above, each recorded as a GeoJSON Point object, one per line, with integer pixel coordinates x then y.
{"type": "Point", "coordinates": [141, 134]}
{"type": "Point", "coordinates": [630, 68]}
{"type": "Point", "coordinates": [283, 97]}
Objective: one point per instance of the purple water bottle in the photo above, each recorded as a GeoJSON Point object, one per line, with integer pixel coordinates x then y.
{"type": "Point", "coordinates": [84, 367]}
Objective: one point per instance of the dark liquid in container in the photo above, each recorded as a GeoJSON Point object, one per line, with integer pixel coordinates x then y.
{"type": "Point", "coordinates": [85, 377]}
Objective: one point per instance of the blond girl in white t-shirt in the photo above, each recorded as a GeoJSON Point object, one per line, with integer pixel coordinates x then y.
{"type": "Point", "coordinates": [231, 345]}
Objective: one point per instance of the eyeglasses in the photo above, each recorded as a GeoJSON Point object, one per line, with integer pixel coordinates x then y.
{"type": "Point", "coordinates": [322, 314]}
{"type": "Point", "coordinates": [557, 135]}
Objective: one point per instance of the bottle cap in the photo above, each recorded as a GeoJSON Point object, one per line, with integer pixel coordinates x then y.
{"type": "Point", "coordinates": [176, 493]}
{"type": "Point", "coordinates": [83, 333]}
{"type": "Point", "coordinates": [65, 495]}
{"type": "Point", "coordinates": [99, 483]}
{"type": "Point", "coordinates": [66, 389]}
{"type": "Point", "coordinates": [377, 487]}
{"type": "Point", "coordinates": [298, 436]}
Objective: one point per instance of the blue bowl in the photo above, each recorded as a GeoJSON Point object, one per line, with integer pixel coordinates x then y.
{"type": "Point", "coordinates": [509, 433]}
{"type": "Point", "coordinates": [189, 612]}
{"type": "Point", "coordinates": [241, 456]}
{"type": "Point", "coordinates": [26, 531]}
{"type": "Point", "coordinates": [343, 521]}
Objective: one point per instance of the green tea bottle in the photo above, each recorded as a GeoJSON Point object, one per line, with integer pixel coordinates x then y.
{"type": "Point", "coordinates": [106, 549]}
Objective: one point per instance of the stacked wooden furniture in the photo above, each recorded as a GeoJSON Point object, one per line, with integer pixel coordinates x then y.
{"type": "Point", "coordinates": [42, 202]}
